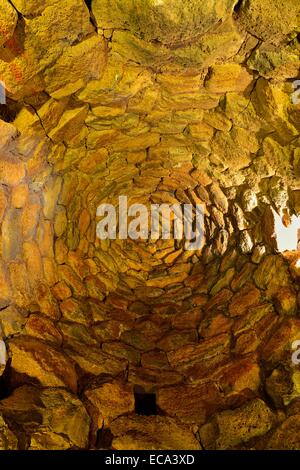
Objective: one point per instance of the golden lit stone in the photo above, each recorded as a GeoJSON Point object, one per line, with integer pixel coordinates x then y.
{"type": "Point", "coordinates": [149, 185]}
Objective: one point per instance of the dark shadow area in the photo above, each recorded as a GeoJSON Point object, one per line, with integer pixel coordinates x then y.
{"type": "Point", "coordinates": [4, 382]}
{"type": "Point", "coordinates": [145, 404]}
{"type": "Point", "coordinates": [7, 113]}
{"type": "Point", "coordinates": [104, 439]}
{"type": "Point", "coordinates": [88, 4]}
{"type": "Point", "coordinates": [238, 6]}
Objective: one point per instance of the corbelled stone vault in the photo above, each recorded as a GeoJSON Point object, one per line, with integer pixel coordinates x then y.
{"type": "Point", "coordinates": [142, 344]}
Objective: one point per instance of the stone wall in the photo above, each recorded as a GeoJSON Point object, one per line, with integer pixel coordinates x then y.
{"type": "Point", "coordinates": [189, 104]}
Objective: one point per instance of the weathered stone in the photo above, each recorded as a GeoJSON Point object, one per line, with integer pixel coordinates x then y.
{"type": "Point", "coordinates": [8, 440]}
{"type": "Point", "coordinates": [155, 360]}
{"type": "Point", "coordinates": [12, 172]}
{"type": "Point", "coordinates": [39, 413]}
{"type": "Point", "coordinates": [41, 363]}
{"type": "Point", "coordinates": [271, 274]}
{"type": "Point", "coordinates": [271, 103]}
{"type": "Point", "coordinates": [279, 348]}
{"type": "Point", "coordinates": [191, 404]}
{"type": "Point", "coordinates": [150, 380]}
{"type": "Point", "coordinates": [72, 280]}
{"type": "Point", "coordinates": [239, 426]}
{"type": "Point", "coordinates": [20, 284]}
{"type": "Point", "coordinates": [286, 436]}
{"type": "Point", "coordinates": [219, 198]}
{"type": "Point", "coordinates": [213, 325]}
{"type": "Point", "coordinates": [34, 264]}
{"type": "Point", "coordinates": [217, 120]}
{"type": "Point", "coordinates": [92, 361]}
{"type": "Point", "coordinates": [242, 277]}
{"type": "Point", "coordinates": [76, 333]}
{"type": "Point", "coordinates": [19, 196]}
{"type": "Point", "coordinates": [180, 104]}
{"type": "Point", "coordinates": [191, 318]}
{"type": "Point", "coordinates": [279, 387]}
{"type": "Point", "coordinates": [202, 132]}
{"type": "Point", "coordinates": [75, 67]}
{"type": "Point", "coordinates": [238, 377]}
{"type": "Point", "coordinates": [246, 242]}
{"type": "Point", "coordinates": [223, 282]}
{"type": "Point", "coordinates": [42, 44]}
{"type": "Point", "coordinates": [61, 291]}
{"type": "Point", "coordinates": [258, 253]}
{"type": "Point", "coordinates": [29, 219]}
{"type": "Point", "coordinates": [247, 297]}
{"type": "Point", "coordinates": [219, 300]}
{"type": "Point", "coordinates": [270, 22]}
{"type": "Point", "coordinates": [12, 321]}
{"type": "Point", "coordinates": [69, 125]}
{"type": "Point", "coordinates": [228, 78]}
{"type": "Point", "coordinates": [42, 328]}
{"type": "Point", "coordinates": [247, 342]}
{"type": "Point", "coordinates": [233, 150]}
{"type": "Point", "coordinates": [5, 288]}
{"type": "Point", "coordinates": [175, 340]}
{"type": "Point", "coordinates": [286, 301]}
{"type": "Point", "coordinates": [74, 311]}
{"type": "Point", "coordinates": [122, 351]}
{"type": "Point", "coordinates": [151, 432]}
{"type": "Point", "coordinates": [153, 21]}
{"type": "Point", "coordinates": [110, 400]}
{"type": "Point", "coordinates": [8, 21]}
{"type": "Point", "coordinates": [196, 361]}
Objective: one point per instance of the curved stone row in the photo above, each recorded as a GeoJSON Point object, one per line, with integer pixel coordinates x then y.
{"type": "Point", "coordinates": [108, 103]}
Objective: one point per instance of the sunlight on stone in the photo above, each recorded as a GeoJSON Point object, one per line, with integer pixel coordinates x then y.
{"type": "Point", "coordinates": [166, 323]}
{"type": "Point", "coordinates": [287, 237]}
{"type": "Point", "coordinates": [2, 353]}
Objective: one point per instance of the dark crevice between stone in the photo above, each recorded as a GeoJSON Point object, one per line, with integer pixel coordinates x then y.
{"type": "Point", "coordinates": [8, 113]}
{"type": "Point", "coordinates": [238, 6]}
{"type": "Point", "coordinates": [104, 439]}
{"type": "Point", "coordinates": [92, 18]}
{"type": "Point", "coordinates": [5, 389]}
{"type": "Point", "coordinates": [88, 4]}
{"type": "Point", "coordinates": [145, 404]}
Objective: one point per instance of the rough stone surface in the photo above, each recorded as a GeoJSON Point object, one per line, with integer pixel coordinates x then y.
{"type": "Point", "coordinates": [153, 433]}
{"type": "Point", "coordinates": [238, 426]}
{"type": "Point", "coordinates": [182, 102]}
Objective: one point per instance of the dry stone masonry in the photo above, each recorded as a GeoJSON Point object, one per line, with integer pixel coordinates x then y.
{"type": "Point", "coordinates": [123, 344]}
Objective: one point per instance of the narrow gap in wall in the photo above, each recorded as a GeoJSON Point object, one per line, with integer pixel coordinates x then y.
{"type": "Point", "coordinates": [92, 18]}
{"type": "Point", "coordinates": [104, 439]}
{"type": "Point", "coordinates": [145, 404]}
{"type": "Point", "coordinates": [238, 6]}
{"type": "Point", "coordinates": [7, 114]}
{"type": "Point", "coordinates": [88, 4]}
{"type": "Point", "coordinates": [5, 390]}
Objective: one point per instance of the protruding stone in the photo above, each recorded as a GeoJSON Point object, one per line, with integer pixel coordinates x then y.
{"type": "Point", "coordinates": [54, 419]}
{"type": "Point", "coordinates": [232, 428]}
{"type": "Point", "coordinates": [152, 432]}
{"type": "Point", "coordinates": [228, 78]}
{"type": "Point", "coordinates": [41, 363]}
{"type": "Point", "coordinates": [110, 400]}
